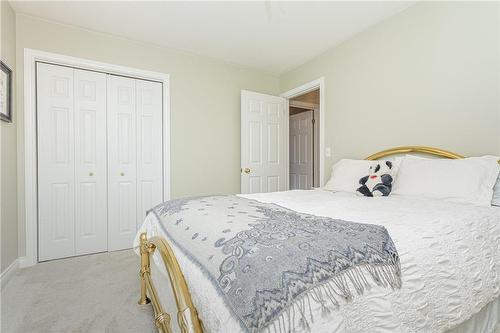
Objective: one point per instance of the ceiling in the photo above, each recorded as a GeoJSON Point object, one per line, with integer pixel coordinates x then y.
{"type": "Point", "coordinates": [270, 36]}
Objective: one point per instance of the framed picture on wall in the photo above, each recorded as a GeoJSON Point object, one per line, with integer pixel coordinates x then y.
{"type": "Point", "coordinates": [5, 93]}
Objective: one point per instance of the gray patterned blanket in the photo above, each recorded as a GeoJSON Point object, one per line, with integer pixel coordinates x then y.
{"type": "Point", "coordinates": [269, 263]}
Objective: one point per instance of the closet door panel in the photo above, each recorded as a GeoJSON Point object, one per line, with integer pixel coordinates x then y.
{"type": "Point", "coordinates": [56, 162]}
{"type": "Point", "coordinates": [149, 147]}
{"type": "Point", "coordinates": [122, 162]}
{"type": "Point", "coordinates": [90, 159]}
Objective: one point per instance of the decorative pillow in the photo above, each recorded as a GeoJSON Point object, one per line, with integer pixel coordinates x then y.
{"type": "Point", "coordinates": [378, 183]}
{"type": "Point", "coordinates": [346, 174]}
{"type": "Point", "coordinates": [468, 180]}
{"type": "Point", "coordinates": [496, 193]}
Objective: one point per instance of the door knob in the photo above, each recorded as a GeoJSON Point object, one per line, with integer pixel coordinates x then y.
{"type": "Point", "coordinates": [122, 174]}
{"type": "Point", "coordinates": [91, 174]}
{"type": "Point", "coordinates": [247, 170]}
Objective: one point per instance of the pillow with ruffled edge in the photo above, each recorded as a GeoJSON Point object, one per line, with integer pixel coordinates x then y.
{"type": "Point", "coordinates": [437, 179]}
{"type": "Point", "coordinates": [495, 201]}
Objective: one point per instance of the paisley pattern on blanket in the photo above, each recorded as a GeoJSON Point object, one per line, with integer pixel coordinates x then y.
{"type": "Point", "coordinates": [269, 263]}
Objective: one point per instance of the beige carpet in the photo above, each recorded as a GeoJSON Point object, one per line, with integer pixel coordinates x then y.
{"type": "Point", "coordinates": [95, 293]}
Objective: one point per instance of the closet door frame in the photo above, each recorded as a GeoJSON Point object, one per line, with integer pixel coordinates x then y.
{"type": "Point", "coordinates": [29, 237]}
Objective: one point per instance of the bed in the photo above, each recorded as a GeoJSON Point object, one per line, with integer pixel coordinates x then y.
{"type": "Point", "coordinates": [449, 268]}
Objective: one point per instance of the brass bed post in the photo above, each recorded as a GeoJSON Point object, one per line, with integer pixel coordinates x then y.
{"type": "Point", "coordinates": [145, 269]}
{"type": "Point", "coordinates": [162, 319]}
{"type": "Point", "coordinates": [185, 307]}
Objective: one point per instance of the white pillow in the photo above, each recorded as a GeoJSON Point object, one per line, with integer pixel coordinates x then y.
{"type": "Point", "coordinates": [346, 174]}
{"type": "Point", "coordinates": [468, 180]}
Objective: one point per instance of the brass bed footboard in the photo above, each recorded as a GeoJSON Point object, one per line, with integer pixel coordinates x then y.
{"type": "Point", "coordinates": [187, 316]}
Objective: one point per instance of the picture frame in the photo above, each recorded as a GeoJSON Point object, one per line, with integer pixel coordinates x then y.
{"type": "Point", "coordinates": [5, 93]}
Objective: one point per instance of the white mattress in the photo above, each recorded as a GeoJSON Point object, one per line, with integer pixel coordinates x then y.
{"type": "Point", "coordinates": [450, 260]}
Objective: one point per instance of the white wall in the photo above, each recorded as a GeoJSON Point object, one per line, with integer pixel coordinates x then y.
{"type": "Point", "coordinates": [8, 149]}
{"type": "Point", "coordinates": [427, 76]}
{"type": "Point", "coordinates": [205, 102]}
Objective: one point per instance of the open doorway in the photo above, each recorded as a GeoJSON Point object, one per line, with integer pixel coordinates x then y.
{"type": "Point", "coordinates": [304, 129]}
{"type": "Point", "coordinates": [266, 142]}
{"type": "Point", "coordinates": [306, 135]}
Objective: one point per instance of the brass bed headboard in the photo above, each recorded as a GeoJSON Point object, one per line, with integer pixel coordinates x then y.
{"type": "Point", "coordinates": [414, 149]}
{"type": "Point", "coordinates": [187, 316]}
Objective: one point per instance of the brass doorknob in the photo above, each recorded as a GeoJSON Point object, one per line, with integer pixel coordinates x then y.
{"type": "Point", "coordinates": [91, 173]}
{"type": "Point", "coordinates": [122, 174]}
{"type": "Point", "coordinates": [247, 170]}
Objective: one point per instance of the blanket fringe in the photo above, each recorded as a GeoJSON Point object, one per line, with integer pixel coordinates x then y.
{"type": "Point", "coordinates": [331, 292]}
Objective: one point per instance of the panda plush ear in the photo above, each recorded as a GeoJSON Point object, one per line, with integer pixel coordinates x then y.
{"type": "Point", "coordinates": [389, 164]}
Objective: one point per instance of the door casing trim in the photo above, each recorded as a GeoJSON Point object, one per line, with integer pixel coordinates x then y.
{"type": "Point", "coordinates": [300, 90]}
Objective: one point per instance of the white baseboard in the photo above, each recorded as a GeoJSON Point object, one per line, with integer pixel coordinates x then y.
{"type": "Point", "coordinates": [25, 262]}
{"type": "Point", "coordinates": [8, 273]}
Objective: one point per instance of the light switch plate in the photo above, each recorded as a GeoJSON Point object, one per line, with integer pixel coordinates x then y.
{"type": "Point", "coordinates": [328, 152]}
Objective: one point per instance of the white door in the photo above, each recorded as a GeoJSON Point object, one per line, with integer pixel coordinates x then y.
{"type": "Point", "coordinates": [91, 220]}
{"type": "Point", "coordinates": [263, 143]}
{"type": "Point", "coordinates": [122, 162]}
{"type": "Point", "coordinates": [301, 151]}
{"type": "Point", "coordinates": [56, 162]}
{"type": "Point", "coordinates": [99, 159]}
{"type": "Point", "coordinates": [149, 147]}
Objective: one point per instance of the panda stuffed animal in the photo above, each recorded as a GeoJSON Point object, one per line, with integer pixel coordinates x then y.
{"type": "Point", "coordinates": [378, 182]}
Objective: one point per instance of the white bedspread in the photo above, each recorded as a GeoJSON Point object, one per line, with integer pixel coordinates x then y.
{"type": "Point", "coordinates": [450, 260]}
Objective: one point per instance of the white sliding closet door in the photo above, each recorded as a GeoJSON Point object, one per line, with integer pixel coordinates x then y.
{"type": "Point", "coordinates": [56, 162]}
{"type": "Point", "coordinates": [91, 220]}
{"type": "Point", "coordinates": [122, 162]}
{"type": "Point", "coordinates": [149, 147]}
